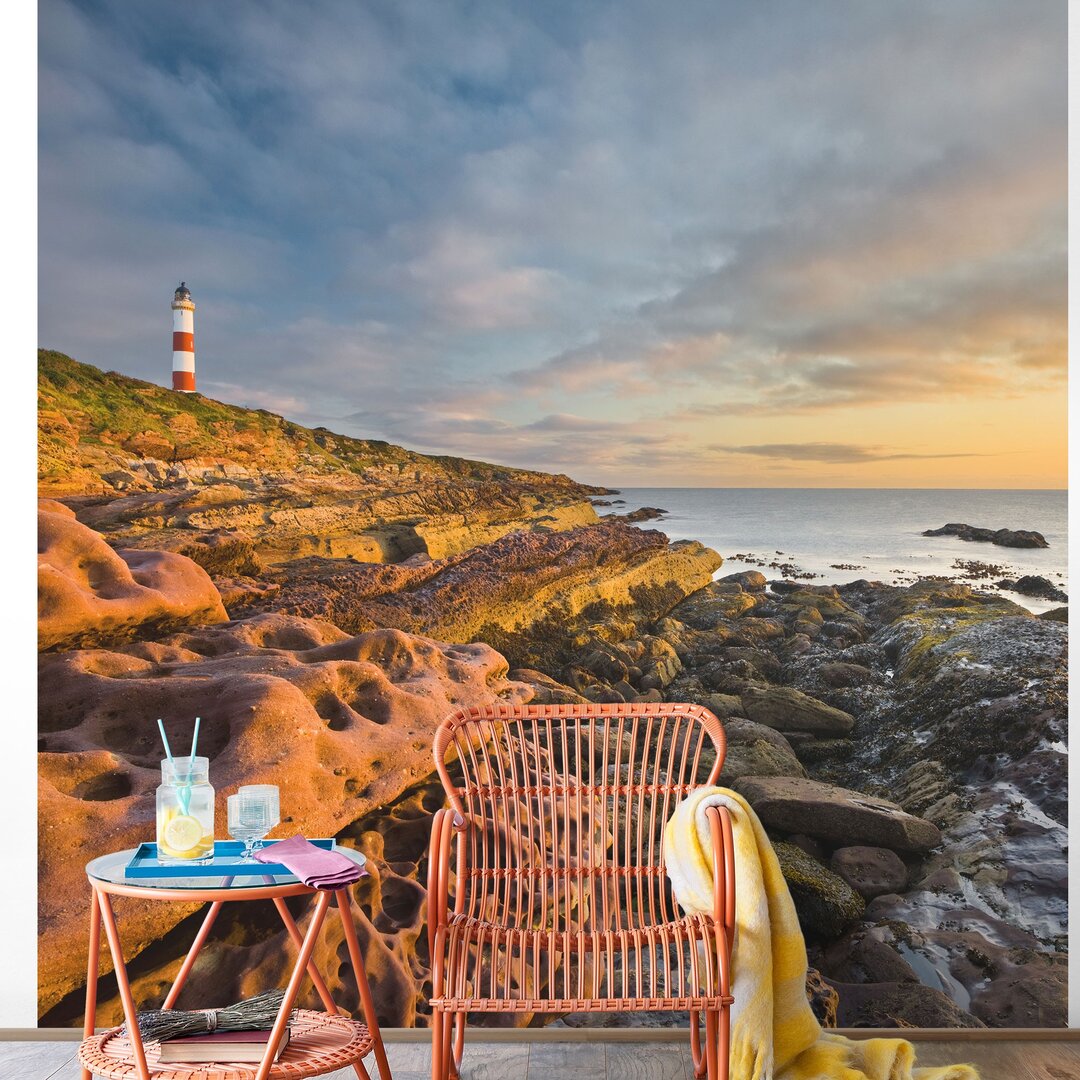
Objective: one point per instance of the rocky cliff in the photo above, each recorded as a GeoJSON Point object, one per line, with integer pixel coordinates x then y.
{"type": "Point", "coordinates": [321, 602]}
{"type": "Point", "coordinates": [149, 467]}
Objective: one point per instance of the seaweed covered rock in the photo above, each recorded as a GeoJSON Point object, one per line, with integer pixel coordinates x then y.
{"type": "Point", "coordinates": [787, 709]}
{"type": "Point", "coordinates": [825, 902]}
{"type": "Point", "coordinates": [535, 596]}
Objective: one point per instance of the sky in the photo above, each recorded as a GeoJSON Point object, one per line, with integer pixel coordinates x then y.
{"type": "Point", "coordinates": [704, 244]}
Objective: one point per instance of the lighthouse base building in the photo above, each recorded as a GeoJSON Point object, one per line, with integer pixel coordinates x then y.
{"type": "Point", "coordinates": [183, 357]}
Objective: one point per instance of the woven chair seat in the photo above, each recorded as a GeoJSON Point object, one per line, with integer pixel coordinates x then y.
{"type": "Point", "coordinates": [662, 968]}
{"type": "Point", "coordinates": [318, 1044]}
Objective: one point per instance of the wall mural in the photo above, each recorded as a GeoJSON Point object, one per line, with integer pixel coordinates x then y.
{"type": "Point", "coordinates": [400, 358]}
{"type": "Point", "coordinates": [322, 602]}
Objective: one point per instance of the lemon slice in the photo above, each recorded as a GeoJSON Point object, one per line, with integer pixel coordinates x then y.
{"type": "Point", "coordinates": [182, 833]}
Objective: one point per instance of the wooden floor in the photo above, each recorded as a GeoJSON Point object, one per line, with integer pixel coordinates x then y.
{"type": "Point", "coordinates": [595, 1061]}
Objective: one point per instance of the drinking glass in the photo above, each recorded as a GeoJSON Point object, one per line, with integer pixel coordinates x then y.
{"type": "Point", "coordinates": [253, 811]}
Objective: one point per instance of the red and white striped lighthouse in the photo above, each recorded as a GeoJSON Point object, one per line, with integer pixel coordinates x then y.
{"type": "Point", "coordinates": [183, 340]}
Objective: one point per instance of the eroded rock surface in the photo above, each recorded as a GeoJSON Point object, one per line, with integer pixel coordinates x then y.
{"type": "Point", "coordinates": [531, 595]}
{"type": "Point", "coordinates": [343, 724]}
{"type": "Point", "coordinates": [89, 594]}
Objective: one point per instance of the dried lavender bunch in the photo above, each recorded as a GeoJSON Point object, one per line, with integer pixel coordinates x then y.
{"type": "Point", "coordinates": [251, 1014]}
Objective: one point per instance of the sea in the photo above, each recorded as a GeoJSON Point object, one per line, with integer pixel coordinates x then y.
{"type": "Point", "coordinates": [827, 536]}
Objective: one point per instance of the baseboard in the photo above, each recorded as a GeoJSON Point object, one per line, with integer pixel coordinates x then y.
{"type": "Point", "coordinates": [637, 1035]}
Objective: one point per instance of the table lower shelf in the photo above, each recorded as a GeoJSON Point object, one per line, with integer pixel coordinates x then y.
{"type": "Point", "coordinates": [318, 1043]}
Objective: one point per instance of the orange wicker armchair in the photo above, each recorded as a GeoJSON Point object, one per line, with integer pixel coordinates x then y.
{"type": "Point", "coordinates": [558, 901]}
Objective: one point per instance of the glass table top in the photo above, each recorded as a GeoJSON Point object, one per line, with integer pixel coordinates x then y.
{"type": "Point", "coordinates": [111, 868]}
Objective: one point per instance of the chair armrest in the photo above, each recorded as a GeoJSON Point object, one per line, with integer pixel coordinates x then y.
{"type": "Point", "coordinates": [444, 826]}
{"type": "Point", "coordinates": [723, 852]}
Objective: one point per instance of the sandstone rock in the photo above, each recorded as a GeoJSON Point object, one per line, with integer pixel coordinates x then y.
{"type": "Point", "coordinates": [721, 705]}
{"type": "Point", "coordinates": [825, 902]}
{"type": "Point", "coordinates": [528, 594]}
{"type": "Point", "coordinates": [810, 750]}
{"type": "Point", "coordinates": [866, 954]}
{"type": "Point", "coordinates": [781, 586]}
{"type": "Point", "coordinates": [870, 871]}
{"type": "Point", "coordinates": [89, 594]}
{"type": "Point", "coordinates": [838, 673]}
{"type": "Point", "coordinates": [752, 631]}
{"type": "Point", "coordinates": [546, 691]}
{"type": "Point", "coordinates": [660, 663]}
{"type": "Point", "coordinates": [644, 513]}
{"type": "Point", "coordinates": [1027, 991]}
{"type": "Point", "coordinates": [228, 552]}
{"type": "Point", "coordinates": [689, 644]}
{"type": "Point", "coordinates": [342, 724]}
{"type": "Point", "coordinates": [714, 604]}
{"type": "Point", "coordinates": [924, 784]}
{"type": "Point", "coordinates": [238, 593]}
{"type": "Point", "coordinates": [823, 999]}
{"type": "Point", "coordinates": [756, 750]}
{"type": "Point", "coordinates": [812, 846]}
{"type": "Point", "coordinates": [750, 580]}
{"type": "Point", "coordinates": [792, 804]}
{"type": "Point", "coordinates": [1017, 538]}
{"type": "Point", "coordinates": [787, 709]}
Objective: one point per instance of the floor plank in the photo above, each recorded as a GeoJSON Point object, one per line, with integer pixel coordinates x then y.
{"type": "Point", "coordinates": [583, 1061]}
{"type": "Point", "coordinates": [649, 1061]}
{"type": "Point", "coordinates": [33, 1060]}
{"type": "Point", "coordinates": [492, 1061]}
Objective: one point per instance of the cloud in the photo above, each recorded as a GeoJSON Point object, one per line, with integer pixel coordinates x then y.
{"type": "Point", "coordinates": [461, 225]}
{"type": "Point", "coordinates": [833, 453]}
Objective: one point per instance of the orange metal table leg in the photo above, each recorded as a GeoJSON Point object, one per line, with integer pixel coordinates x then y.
{"type": "Point", "coordinates": [293, 988]}
{"type": "Point", "coordinates": [92, 955]}
{"type": "Point", "coordinates": [316, 978]}
{"type": "Point", "coordinates": [192, 956]}
{"type": "Point", "coordinates": [130, 1015]}
{"type": "Point", "coordinates": [360, 974]}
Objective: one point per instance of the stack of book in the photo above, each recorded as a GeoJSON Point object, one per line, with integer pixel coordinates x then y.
{"type": "Point", "coordinates": [225, 1046]}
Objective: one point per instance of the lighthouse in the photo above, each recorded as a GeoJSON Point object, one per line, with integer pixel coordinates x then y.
{"type": "Point", "coordinates": [183, 340]}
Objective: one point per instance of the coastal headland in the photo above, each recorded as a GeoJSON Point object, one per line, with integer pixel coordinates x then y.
{"type": "Point", "coordinates": [323, 601]}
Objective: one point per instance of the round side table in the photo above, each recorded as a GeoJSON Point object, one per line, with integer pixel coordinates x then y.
{"type": "Point", "coordinates": [318, 1042]}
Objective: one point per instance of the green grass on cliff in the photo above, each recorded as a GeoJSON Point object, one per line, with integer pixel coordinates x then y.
{"type": "Point", "coordinates": [85, 413]}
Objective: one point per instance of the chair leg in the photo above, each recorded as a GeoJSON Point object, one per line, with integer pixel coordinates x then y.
{"type": "Point", "coordinates": [723, 1049]}
{"type": "Point", "coordinates": [711, 1062]}
{"type": "Point", "coordinates": [455, 1042]}
{"type": "Point", "coordinates": [438, 1047]}
{"type": "Point", "coordinates": [695, 1045]}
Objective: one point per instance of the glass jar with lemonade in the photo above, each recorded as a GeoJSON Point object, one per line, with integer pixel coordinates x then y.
{"type": "Point", "coordinates": [185, 811]}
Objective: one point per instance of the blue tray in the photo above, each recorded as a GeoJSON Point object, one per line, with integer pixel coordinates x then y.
{"type": "Point", "coordinates": [226, 863]}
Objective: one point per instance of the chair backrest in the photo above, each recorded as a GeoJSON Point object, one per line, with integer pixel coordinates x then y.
{"type": "Point", "coordinates": [566, 807]}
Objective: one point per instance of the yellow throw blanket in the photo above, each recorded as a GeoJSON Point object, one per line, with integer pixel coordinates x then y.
{"type": "Point", "coordinates": [774, 1033]}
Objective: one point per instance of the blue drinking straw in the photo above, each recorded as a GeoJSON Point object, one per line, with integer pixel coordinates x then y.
{"type": "Point", "coordinates": [191, 765]}
{"type": "Point", "coordinates": [165, 740]}
{"type": "Point", "coordinates": [183, 791]}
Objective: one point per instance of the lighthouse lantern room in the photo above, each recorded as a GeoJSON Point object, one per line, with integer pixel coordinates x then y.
{"type": "Point", "coordinates": [183, 357]}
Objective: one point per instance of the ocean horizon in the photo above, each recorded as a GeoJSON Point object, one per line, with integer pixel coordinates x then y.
{"type": "Point", "coordinates": [829, 536]}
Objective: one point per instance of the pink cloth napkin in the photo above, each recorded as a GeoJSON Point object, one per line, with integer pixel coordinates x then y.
{"type": "Point", "coordinates": [315, 867]}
